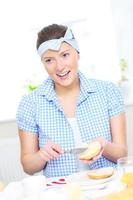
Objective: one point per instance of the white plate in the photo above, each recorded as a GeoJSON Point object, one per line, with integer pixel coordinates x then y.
{"type": "Point", "coordinates": [87, 183]}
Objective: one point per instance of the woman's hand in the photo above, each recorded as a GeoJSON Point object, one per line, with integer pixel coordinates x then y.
{"type": "Point", "coordinates": [103, 143]}
{"type": "Point", "coordinates": [50, 151]}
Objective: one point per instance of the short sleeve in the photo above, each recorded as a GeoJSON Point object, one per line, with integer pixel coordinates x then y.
{"type": "Point", "coordinates": [115, 100]}
{"type": "Point", "coordinates": [25, 116]}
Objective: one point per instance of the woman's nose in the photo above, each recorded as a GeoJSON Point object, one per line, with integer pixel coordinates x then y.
{"type": "Point", "coordinates": [60, 65]}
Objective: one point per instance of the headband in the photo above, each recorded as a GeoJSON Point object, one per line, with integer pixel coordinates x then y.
{"type": "Point", "coordinates": [55, 44]}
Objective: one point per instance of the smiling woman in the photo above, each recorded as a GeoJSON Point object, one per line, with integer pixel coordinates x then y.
{"type": "Point", "coordinates": [92, 25]}
{"type": "Point", "coordinates": [68, 109]}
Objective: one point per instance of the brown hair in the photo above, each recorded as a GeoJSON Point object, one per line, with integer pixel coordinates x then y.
{"type": "Point", "coordinates": [53, 31]}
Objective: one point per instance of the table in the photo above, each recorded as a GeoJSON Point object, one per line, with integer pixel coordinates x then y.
{"type": "Point", "coordinates": [89, 192]}
{"type": "Point", "coordinates": [58, 188]}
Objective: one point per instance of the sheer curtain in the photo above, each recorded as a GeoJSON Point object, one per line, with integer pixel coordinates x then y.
{"type": "Point", "coordinates": [92, 24]}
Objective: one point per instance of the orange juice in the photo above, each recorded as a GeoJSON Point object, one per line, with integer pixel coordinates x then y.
{"type": "Point", "coordinates": [127, 178]}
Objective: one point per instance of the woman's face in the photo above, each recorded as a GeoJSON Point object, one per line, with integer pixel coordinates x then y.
{"type": "Point", "coordinates": [62, 65]}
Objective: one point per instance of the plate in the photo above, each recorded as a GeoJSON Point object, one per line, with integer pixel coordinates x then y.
{"type": "Point", "coordinates": [87, 183]}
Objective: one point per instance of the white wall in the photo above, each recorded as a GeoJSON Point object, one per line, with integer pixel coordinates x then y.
{"type": "Point", "coordinates": [8, 129]}
{"type": "Point", "coordinates": [123, 22]}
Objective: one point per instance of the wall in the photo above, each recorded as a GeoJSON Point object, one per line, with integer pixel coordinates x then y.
{"type": "Point", "coordinates": [8, 129]}
{"type": "Point", "coordinates": [122, 11]}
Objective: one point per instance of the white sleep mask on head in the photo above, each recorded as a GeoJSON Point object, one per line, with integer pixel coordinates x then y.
{"type": "Point", "coordinates": [55, 44]}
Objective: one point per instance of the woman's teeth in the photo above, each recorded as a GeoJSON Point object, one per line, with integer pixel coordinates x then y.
{"type": "Point", "coordinates": [63, 74]}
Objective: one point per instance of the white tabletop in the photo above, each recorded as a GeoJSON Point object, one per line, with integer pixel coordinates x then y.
{"type": "Point", "coordinates": [58, 188]}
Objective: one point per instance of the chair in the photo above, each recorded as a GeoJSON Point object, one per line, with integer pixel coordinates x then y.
{"type": "Point", "coordinates": [10, 165]}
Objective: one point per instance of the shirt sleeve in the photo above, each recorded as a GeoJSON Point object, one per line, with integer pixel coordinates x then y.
{"type": "Point", "coordinates": [25, 116]}
{"type": "Point", "coordinates": [115, 100]}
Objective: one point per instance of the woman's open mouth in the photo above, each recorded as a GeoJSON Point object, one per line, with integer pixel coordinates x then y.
{"type": "Point", "coordinates": [63, 75]}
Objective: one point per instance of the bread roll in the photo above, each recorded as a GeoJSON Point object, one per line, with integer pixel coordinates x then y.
{"type": "Point", "coordinates": [93, 150]}
{"type": "Point", "coordinates": [126, 194]}
{"type": "Point", "coordinates": [1, 186]}
{"type": "Point", "coordinates": [101, 173]}
{"type": "Point", "coordinates": [73, 190]}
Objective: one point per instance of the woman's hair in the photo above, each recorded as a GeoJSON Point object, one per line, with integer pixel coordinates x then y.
{"type": "Point", "coordinates": [50, 32]}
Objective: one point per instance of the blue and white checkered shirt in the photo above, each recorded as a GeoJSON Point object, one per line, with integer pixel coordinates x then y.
{"type": "Point", "coordinates": [40, 113]}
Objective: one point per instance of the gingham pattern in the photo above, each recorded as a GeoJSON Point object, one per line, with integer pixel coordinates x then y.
{"type": "Point", "coordinates": [40, 113]}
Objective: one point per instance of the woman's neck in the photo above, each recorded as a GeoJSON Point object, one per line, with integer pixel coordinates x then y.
{"type": "Point", "coordinates": [66, 90]}
{"type": "Point", "coordinates": [68, 98]}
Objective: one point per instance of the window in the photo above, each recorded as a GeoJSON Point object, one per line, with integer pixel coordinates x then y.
{"type": "Point", "coordinates": [91, 22]}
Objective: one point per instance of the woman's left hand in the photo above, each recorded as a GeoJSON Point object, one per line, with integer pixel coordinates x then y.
{"type": "Point", "coordinates": [103, 143]}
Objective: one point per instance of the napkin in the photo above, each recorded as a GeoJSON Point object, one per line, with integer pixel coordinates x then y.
{"type": "Point", "coordinates": [13, 190]}
{"type": "Point", "coordinates": [33, 185]}
{"type": "Point", "coordinates": [56, 193]}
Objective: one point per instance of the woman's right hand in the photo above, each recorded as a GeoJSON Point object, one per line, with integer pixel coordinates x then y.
{"type": "Point", "coordinates": [50, 151]}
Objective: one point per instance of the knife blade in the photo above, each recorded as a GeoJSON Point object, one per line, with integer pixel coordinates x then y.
{"type": "Point", "coordinates": [77, 150]}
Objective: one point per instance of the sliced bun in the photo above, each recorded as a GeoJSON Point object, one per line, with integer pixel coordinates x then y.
{"type": "Point", "coordinates": [93, 150]}
{"type": "Point", "coordinates": [1, 186]}
{"type": "Point", "coordinates": [125, 194]}
{"type": "Point", "coordinates": [101, 173]}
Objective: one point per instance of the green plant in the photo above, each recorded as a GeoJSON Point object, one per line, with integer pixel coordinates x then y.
{"type": "Point", "coordinates": [123, 68]}
{"type": "Point", "coordinates": [31, 87]}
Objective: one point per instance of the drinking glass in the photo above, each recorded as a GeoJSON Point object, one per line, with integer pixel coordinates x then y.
{"type": "Point", "coordinates": [125, 168]}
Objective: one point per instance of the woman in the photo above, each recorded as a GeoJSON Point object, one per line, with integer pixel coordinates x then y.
{"type": "Point", "coordinates": [67, 110]}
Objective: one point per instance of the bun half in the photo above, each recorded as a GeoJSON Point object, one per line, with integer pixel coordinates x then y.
{"type": "Point", "coordinates": [101, 173]}
{"type": "Point", "coordinates": [93, 150]}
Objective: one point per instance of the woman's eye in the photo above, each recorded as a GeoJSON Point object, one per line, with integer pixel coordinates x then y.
{"type": "Point", "coordinates": [66, 54]}
{"type": "Point", "coordinates": [48, 61]}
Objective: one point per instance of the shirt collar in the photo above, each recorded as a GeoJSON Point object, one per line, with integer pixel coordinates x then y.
{"type": "Point", "coordinates": [47, 89]}
{"type": "Point", "coordinates": [87, 86]}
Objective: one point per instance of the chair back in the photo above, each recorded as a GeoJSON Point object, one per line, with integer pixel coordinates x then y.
{"type": "Point", "coordinates": [10, 165]}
